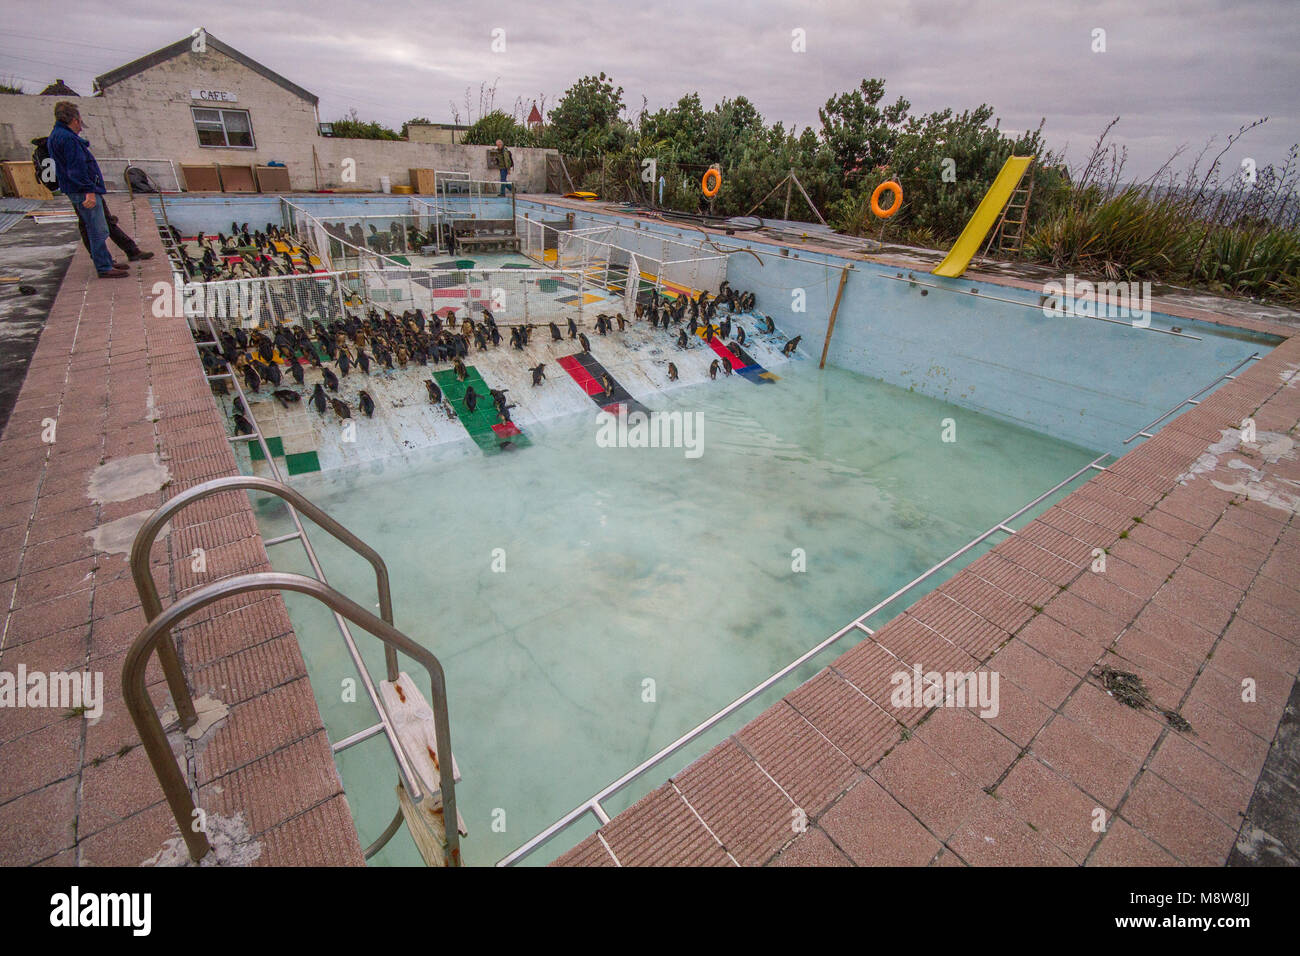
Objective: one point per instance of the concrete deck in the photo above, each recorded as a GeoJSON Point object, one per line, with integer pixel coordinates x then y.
{"type": "Point", "coordinates": [126, 389]}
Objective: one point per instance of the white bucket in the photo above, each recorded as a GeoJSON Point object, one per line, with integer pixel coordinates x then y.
{"type": "Point", "coordinates": [385, 184]}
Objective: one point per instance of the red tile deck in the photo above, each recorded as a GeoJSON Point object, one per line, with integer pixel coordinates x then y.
{"type": "Point", "coordinates": [77, 792]}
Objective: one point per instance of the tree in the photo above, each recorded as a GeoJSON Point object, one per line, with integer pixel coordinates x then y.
{"type": "Point", "coordinates": [497, 125]}
{"type": "Point", "coordinates": [862, 135]}
{"type": "Point", "coordinates": [586, 119]}
{"type": "Point", "coordinates": [353, 127]}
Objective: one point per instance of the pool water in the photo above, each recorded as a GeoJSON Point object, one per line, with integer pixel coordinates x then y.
{"type": "Point", "coordinates": [642, 589]}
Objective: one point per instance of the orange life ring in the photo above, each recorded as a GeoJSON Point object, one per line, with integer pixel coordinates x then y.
{"type": "Point", "coordinates": [897, 191]}
{"type": "Point", "coordinates": [717, 182]}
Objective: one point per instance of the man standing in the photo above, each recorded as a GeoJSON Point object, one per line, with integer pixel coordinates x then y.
{"type": "Point", "coordinates": [502, 159]}
{"type": "Point", "coordinates": [80, 180]}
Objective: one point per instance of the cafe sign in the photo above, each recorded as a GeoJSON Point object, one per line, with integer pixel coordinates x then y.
{"type": "Point", "coordinates": [214, 96]}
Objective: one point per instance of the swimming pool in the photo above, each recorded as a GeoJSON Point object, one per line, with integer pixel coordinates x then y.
{"type": "Point", "coordinates": [590, 604]}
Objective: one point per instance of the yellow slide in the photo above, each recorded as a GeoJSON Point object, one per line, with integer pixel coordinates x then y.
{"type": "Point", "coordinates": [986, 216]}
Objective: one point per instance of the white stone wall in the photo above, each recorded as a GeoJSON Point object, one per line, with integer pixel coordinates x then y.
{"type": "Point", "coordinates": [147, 116]}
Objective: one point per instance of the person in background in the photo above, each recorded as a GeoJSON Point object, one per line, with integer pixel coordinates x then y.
{"type": "Point", "coordinates": [502, 159]}
{"type": "Point", "coordinates": [80, 180]}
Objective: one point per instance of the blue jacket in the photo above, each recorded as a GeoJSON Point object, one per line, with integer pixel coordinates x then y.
{"type": "Point", "coordinates": [74, 166]}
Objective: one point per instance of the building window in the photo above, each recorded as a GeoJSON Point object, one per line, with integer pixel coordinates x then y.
{"type": "Point", "coordinates": [223, 128]}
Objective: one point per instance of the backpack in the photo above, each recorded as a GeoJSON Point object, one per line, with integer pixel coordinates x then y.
{"type": "Point", "coordinates": [44, 164]}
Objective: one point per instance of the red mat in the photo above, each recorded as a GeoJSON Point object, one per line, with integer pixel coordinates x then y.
{"type": "Point", "coordinates": [726, 353]}
{"type": "Point", "coordinates": [581, 375]}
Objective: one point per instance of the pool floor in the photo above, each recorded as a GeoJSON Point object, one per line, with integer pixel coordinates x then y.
{"type": "Point", "coordinates": [590, 604]}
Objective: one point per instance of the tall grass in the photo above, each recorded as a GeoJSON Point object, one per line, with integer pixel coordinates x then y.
{"type": "Point", "coordinates": [1234, 235]}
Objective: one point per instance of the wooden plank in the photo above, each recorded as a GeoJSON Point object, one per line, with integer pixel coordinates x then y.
{"type": "Point", "coordinates": [412, 719]}
{"type": "Point", "coordinates": [20, 180]}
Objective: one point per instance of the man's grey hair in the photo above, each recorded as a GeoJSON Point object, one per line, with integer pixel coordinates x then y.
{"type": "Point", "coordinates": [65, 112]}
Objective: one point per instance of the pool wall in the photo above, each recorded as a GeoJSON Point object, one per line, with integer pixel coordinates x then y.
{"type": "Point", "coordinates": [1088, 382]}
{"type": "Point", "coordinates": [1085, 381]}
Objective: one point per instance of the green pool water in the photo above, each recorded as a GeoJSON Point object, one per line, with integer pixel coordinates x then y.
{"type": "Point", "coordinates": [624, 566]}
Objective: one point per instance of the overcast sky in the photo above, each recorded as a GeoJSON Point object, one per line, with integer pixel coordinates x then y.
{"type": "Point", "coordinates": [1177, 72]}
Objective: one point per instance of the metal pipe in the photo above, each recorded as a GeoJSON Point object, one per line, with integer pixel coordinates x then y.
{"type": "Point", "coordinates": [145, 715]}
{"type": "Point", "coordinates": [1029, 305]}
{"type": "Point", "coordinates": [1190, 401]}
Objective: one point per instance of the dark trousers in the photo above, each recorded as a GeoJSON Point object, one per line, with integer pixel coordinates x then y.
{"type": "Point", "coordinates": [120, 238]}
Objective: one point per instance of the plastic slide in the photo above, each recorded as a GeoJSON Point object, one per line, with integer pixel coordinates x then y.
{"type": "Point", "coordinates": [986, 216]}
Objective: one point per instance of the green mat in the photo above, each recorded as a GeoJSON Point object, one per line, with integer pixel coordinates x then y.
{"type": "Point", "coordinates": [479, 423]}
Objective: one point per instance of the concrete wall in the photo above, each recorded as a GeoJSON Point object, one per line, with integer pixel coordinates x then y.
{"type": "Point", "coordinates": [1079, 380]}
{"type": "Point", "coordinates": [147, 116]}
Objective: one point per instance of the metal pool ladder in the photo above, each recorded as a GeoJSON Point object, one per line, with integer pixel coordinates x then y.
{"type": "Point", "coordinates": [417, 734]}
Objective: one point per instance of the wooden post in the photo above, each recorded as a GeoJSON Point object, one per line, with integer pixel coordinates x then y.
{"type": "Point", "coordinates": [830, 325]}
{"type": "Point", "coordinates": [789, 188]}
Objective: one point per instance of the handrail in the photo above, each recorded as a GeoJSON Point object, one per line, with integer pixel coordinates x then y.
{"type": "Point", "coordinates": [593, 804]}
{"type": "Point", "coordinates": [148, 533]}
{"type": "Point", "coordinates": [145, 715]}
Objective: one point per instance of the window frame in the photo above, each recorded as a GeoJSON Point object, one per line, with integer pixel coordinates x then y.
{"type": "Point", "coordinates": [225, 130]}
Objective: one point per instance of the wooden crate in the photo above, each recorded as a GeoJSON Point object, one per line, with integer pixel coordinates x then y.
{"type": "Point", "coordinates": [237, 179]}
{"type": "Point", "coordinates": [201, 178]}
{"type": "Point", "coordinates": [20, 180]}
{"type": "Point", "coordinates": [272, 179]}
{"type": "Point", "coordinates": [422, 181]}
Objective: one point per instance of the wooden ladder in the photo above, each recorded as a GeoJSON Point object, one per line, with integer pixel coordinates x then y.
{"type": "Point", "coordinates": [1010, 230]}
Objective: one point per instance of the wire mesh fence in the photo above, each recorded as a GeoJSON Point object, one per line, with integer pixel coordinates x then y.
{"type": "Point", "coordinates": [161, 172]}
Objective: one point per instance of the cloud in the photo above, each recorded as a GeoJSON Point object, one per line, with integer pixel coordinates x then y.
{"type": "Point", "coordinates": [1180, 73]}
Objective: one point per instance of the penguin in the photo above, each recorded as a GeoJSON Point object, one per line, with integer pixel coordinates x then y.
{"type": "Point", "coordinates": [435, 393]}
{"type": "Point", "coordinates": [724, 329]}
{"type": "Point", "coordinates": [770, 328]}
{"type": "Point", "coordinates": [740, 334]}
{"type": "Point", "coordinates": [363, 359]}
{"type": "Point", "coordinates": [345, 363]}
{"type": "Point", "coordinates": [672, 372]}
{"type": "Point", "coordinates": [331, 380]}
{"type": "Point", "coordinates": [539, 373]}
{"type": "Point", "coordinates": [459, 368]}
{"type": "Point", "coordinates": [242, 426]}
{"type": "Point", "coordinates": [622, 323]}
{"type": "Point", "coordinates": [713, 369]}
{"type": "Point", "coordinates": [789, 347]}
{"type": "Point", "coordinates": [340, 408]}
{"type": "Point", "coordinates": [286, 396]}
{"type": "Point", "coordinates": [582, 339]}
{"type": "Point", "coordinates": [318, 398]}
{"type": "Point", "coordinates": [681, 338]}
{"type": "Point", "coordinates": [726, 369]}
{"type": "Point", "coordinates": [367, 403]}
{"type": "Point", "coordinates": [607, 384]}
{"type": "Point", "coordinates": [251, 378]}
{"type": "Point", "coordinates": [555, 333]}
{"type": "Point", "coordinates": [295, 369]}
{"type": "Point", "coordinates": [573, 329]}
{"type": "Point", "coordinates": [471, 399]}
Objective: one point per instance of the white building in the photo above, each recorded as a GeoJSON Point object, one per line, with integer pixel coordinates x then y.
{"type": "Point", "coordinates": [200, 101]}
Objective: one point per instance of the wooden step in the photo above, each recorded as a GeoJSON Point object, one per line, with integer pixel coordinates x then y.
{"type": "Point", "coordinates": [412, 719]}
{"type": "Point", "coordinates": [424, 821]}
